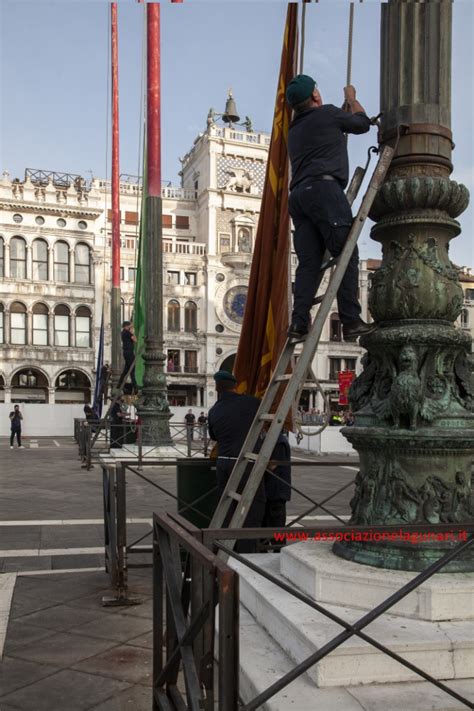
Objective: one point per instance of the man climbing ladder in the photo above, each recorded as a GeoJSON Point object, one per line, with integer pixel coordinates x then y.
{"type": "Point", "coordinates": [318, 206]}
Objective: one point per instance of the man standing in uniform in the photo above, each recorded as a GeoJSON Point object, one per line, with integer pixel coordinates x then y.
{"type": "Point", "coordinates": [128, 347]}
{"type": "Point", "coordinates": [318, 206]}
{"type": "Point", "coordinates": [229, 421]}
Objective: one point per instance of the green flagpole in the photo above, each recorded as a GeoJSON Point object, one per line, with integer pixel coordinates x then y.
{"type": "Point", "coordinates": [140, 287]}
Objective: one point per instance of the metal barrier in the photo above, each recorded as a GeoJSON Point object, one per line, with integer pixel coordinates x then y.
{"type": "Point", "coordinates": [179, 532]}
{"type": "Point", "coordinates": [185, 624]}
{"type": "Point", "coordinates": [98, 437]}
{"type": "Point", "coordinates": [114, 483]}
{"type": "Point", "coordinates": [117, 549]}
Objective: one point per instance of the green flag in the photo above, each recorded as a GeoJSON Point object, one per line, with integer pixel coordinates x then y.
{"type": "Point", "coordinates": [140, 291]}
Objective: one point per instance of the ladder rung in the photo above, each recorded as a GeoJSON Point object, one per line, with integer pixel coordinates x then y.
{"type": "Point", "coordinates": [251, 456]}
{"type": "Point", "coordinates": [234, 495]}
{"type": "Point", "coordinates": [330, 263]}
{"type": "Point", "coordinates": [318, 299]}
{"type": "Point", "coordinates": [285, 379]}
{"type": "Point", "coordinates": [266, 418]}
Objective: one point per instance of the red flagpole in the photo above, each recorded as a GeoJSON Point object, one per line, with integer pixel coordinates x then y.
{"type": "Point", "coordinates": [153, 102]}
{"type": "Point", "coordinates": [115, 155]}
{"type": "Point", "coordinates": [116, 300]}
{"type": "Point", "coordinates": [153, 408]}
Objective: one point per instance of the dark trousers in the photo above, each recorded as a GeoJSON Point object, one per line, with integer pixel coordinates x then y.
{"type": "Point", "coordinates": [275, 514]}
{"type": "Point", "coordinates": [256, 512]}
{"type": "Point", "coordinates": [18, 437]}
{"type": "Point", "coordinates": [117, 432]}
{"type": "Point", "coordinates": [128, 363]}
{"type": "Point", "coordinates": [322, 220]}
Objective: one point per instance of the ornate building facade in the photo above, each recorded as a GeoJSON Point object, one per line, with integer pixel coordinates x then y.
{"type": "Point", "coordinates": [55, 275]}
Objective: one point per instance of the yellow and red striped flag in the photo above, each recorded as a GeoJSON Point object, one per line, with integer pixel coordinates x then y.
{"type": "Point", "coordinates": [266, 313]}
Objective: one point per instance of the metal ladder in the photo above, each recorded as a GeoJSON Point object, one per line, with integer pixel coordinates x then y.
{"type": "Point", "coordinates": [291, 382]}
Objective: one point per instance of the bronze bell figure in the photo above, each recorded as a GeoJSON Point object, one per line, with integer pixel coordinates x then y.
{"type": "Point", "coordinates": [230, 114]}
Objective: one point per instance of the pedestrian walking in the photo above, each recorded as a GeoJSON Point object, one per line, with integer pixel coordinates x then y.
{"type": "Point", "coordinates": [16, 419]}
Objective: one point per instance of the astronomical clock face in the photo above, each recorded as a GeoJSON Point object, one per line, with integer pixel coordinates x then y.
{"type": "Point", "coordinates": [234, 303]}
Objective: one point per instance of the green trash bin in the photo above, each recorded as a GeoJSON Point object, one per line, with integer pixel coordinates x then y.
{"type": "Point", "coordinates": [196, 479]}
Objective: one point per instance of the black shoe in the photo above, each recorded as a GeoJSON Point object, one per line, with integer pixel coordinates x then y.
{"type": "Point", "coordinates": [297, 330]}
{"type": "Point", "coordinates": [352, 330]}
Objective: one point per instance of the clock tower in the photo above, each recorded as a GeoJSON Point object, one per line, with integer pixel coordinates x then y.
{"type": "Point", "coordinates": [226, 168]}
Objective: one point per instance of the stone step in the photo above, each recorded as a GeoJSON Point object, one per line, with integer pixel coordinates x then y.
{"type": "Point", "coordinates": [444, 649]}
{"type": "Point", "coordinates": [315, 570]}
{"type": "Point", "coordinates": [262, 662]}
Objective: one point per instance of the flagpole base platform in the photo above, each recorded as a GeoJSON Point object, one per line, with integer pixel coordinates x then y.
{"type": "Point", "coordinates": [314, 569]}
{"type": "Point", "coordinates": [282, 631]}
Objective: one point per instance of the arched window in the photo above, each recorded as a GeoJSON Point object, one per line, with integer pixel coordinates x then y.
{"type": "Point", "coordinates": [2, 257]}
{"type": "Point", "coordinates": [61, 261]}
{"type": "Point", "coordinates": [83, 327]}
{"type": "Point", "coordinates": [82, 266]}
{"type": "Point", "coordinates": [173, 316]}
{"type": "Point", "coordinates": [464, 318]}
{"type": "Point", "coordinates": [40, 325]}
{"type": "Point", "coordinates": [40, 260]}
{"type": "Point", "coordinates": [30, 385]}
{"type": "Point", "coordinates": [335, 333]}
{"type": "Point", "coordinates": [61, 325]}
{"type": "Point", "coordinates": [72, 386]}
{"type": "Point", "coordinates": [18, 258]}
{"type": "Point", "coordinates": [190, 317]}
{"type": "Point", "coordinates": [18, 323]}
{"type": "Point", "coordinates": [244, 240]}
{"type": "Point", "coordinates": [2, 324]}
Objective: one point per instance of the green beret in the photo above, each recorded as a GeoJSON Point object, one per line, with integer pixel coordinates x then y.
{"type": "Point", "coordinates": [224, 375]}
{"type": "Point", "coordinates": [299, 89]}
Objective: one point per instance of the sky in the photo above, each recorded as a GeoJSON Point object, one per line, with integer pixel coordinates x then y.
{"type": "Point", "coordinates": [54, 74]}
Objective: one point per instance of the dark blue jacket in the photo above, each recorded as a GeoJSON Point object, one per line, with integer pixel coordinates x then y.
{"type": "Point", "coordinates": [127, 343]}
{"type": "Point", "coordinates": [229, 421]}
{"type": "Point", "coordinates": [316, 143]}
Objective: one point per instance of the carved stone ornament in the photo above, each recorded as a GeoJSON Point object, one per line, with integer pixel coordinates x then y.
{"type": "Point", "coordinates": [416, 280]}
{"type": "Point", "coordinates": [413, 376]}
{"type": "Point", "coordinates": [420, 192]}
{"type": "Point", "coordinates": [240, 180]}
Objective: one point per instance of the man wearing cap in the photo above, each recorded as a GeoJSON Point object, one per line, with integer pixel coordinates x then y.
{"type": "Point", "coordinates": [128, 348]}
{"type": "Point", "coordinates": [229, 421]}
{"type": "Point", "coordinates": [318, 206]}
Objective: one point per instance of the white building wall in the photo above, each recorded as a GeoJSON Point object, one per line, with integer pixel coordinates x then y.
{"type": "Point", "coordinates": [213, 208]}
